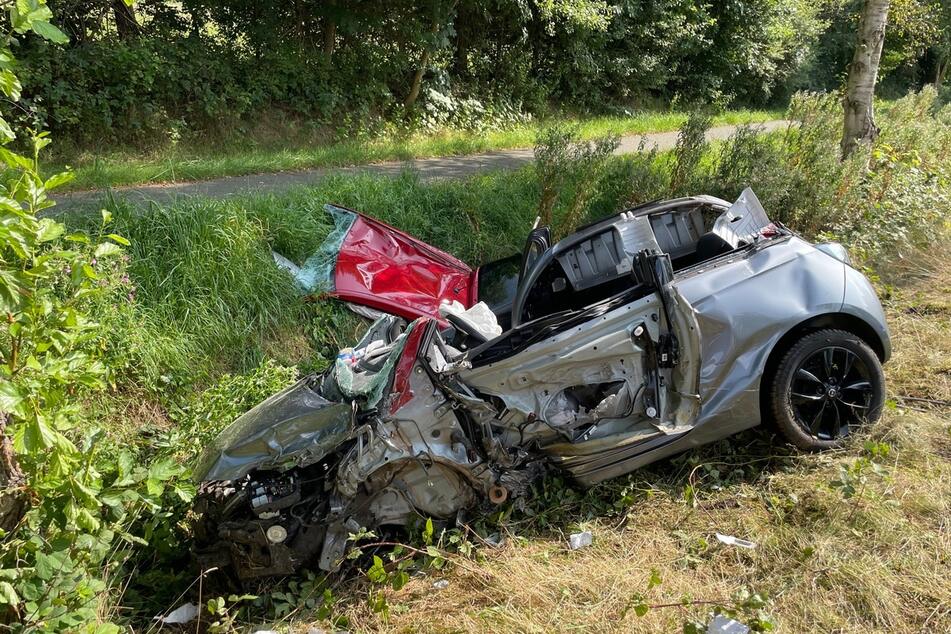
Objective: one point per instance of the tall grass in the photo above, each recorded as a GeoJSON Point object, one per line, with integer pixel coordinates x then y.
{"type": "Point", "coordinates": [208, 300]}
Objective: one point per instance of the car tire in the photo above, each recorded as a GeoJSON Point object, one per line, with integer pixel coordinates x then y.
{"type": "Point", "coordinates": [828, 384]}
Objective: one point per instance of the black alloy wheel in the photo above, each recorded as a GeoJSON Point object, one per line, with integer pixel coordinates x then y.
{"type": "Point", "coordinates": [827, 385]}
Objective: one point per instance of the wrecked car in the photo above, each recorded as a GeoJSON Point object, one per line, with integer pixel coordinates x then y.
{"type": "Point", "coordinates": [667, 326]}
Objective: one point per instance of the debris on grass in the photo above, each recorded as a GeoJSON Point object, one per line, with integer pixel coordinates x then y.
{"type": "Point", "coordinates": [721, 624]}
{"type": "Point", "coordinates": [580, 540]}
{"type": "Point", "coordinates": [730, 540]}
{"type": "Point", "coordinates": [182, 614]}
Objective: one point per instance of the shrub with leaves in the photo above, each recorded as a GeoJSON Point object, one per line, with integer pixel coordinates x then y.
{"type": "Point", "coordinates": [66, 502]}
{"type": "Point", "coordinates": [570, 174]}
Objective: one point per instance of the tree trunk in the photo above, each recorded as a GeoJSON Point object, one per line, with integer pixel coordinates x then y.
{"type": "Point", "coordinates": [126, 24]}
{"type": "Point", "coordinates": [940, 72]}
{"type": "Point", "coordinates": [417, 82]}
{"type": "Point", "coordinates": [859, 126]}
{"type": "Point", "coordinates": [330, 38]}
{"type": "Point", "coordinates": [13, 501]}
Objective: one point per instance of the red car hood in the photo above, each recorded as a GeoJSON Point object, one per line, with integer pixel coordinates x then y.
{"type": "Point", "coordinates": [384, 268]}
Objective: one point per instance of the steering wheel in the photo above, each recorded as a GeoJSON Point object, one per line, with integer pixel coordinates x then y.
{"type": "Point", "coordinates": [462, 325]}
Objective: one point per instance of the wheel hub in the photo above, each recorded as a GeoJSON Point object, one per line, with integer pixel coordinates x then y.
{"type": "Point", "coordinates": [831, 391]}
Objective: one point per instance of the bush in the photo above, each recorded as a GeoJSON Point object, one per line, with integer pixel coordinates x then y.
{"type": "Point", "coordinates": [570, 174]}
{"type": "Point", "coordinates": [892, 196]}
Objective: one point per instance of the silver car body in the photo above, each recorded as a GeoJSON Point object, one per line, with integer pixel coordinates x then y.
{"type": "Point", "coordinates": [674, 359]}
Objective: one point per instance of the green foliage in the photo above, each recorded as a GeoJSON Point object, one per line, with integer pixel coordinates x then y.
{"type": "Point", "coordinates": [80, 496]}
{"type": "Point", "coordinates": [893, 198]}
{"type": "Point", "coordinates": [309, 592]}
{"type": "Point", "coordinates": [204, 414]}
{"type": "Point", "coordinates": [744, 606]}
{"type": "Point", "coordinates": [73, 506]}
{"type": "Point", "coordinates": [223, 613]}
{"type": "Point", "coordinates": [570, 174]}
{"type": "Point", "coordinates": [198, 69]}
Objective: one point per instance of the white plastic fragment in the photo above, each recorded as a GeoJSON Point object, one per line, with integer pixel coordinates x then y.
{"type": "Point", "coordinates": [580, 540]}
{"type": "Point", "coordinates": [479, 316]}
{"type": "Point", "coordinates": [725, 625]}
{"type": "Point", "coordinates": [442, 584]}
{"type": "Point", "coordinates": [182, 614]}
{"type": "Point", "coordinates": [730, 540]}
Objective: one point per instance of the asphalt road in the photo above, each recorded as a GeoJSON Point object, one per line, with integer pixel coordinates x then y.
{"type": "Point", "coordinates": [428, 169]}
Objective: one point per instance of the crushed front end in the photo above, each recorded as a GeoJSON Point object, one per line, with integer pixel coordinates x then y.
{"type": "Point", "coordinates": [382, 438]}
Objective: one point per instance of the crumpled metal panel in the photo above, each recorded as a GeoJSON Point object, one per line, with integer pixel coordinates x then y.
{"type": "Point", "coordinates": [383, 268]}
{"type": "Point", "coordinates": [295, 427]}
{"type": "Point", "coordinates": [743, 221]}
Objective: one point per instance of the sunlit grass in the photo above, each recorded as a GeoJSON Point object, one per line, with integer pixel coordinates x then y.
{"type": "Point", "coordinates": [292, 149]}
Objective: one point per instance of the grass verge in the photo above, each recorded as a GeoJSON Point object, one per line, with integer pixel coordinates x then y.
{"type": "Point", "coordinates": [292, 148]}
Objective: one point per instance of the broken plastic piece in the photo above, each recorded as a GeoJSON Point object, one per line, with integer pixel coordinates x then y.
{"type": "Point", "coordinates": [730, 540]}
{"type": "Point", "coordinates": [580, 540]}
{"type": "Point", "coordinates": [743, 221]}
{"type": "Point", "coordinates": [442, 584]}
{"type": "Point", "coordinates": [721, 624]}
{"type": "Point", "coordinates": [182, 614]}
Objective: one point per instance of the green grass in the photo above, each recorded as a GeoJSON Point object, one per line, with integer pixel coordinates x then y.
{"type": "Point", "coordinates": [292, 148]}
{"type": "Point", "coordinates": [208, 298]}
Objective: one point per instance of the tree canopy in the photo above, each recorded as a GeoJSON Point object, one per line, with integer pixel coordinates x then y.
{"type": "Point", "coordinates": [195, 64]}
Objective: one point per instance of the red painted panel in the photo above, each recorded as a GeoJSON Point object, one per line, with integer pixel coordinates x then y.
{"type": "Point", "coordinates": [401, 393]}
{"type": "Point", "coordinates": [382, 267]}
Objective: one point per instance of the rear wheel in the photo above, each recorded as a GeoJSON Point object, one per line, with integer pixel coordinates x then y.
{"type": "Point", "coordinates": [826, 386]}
